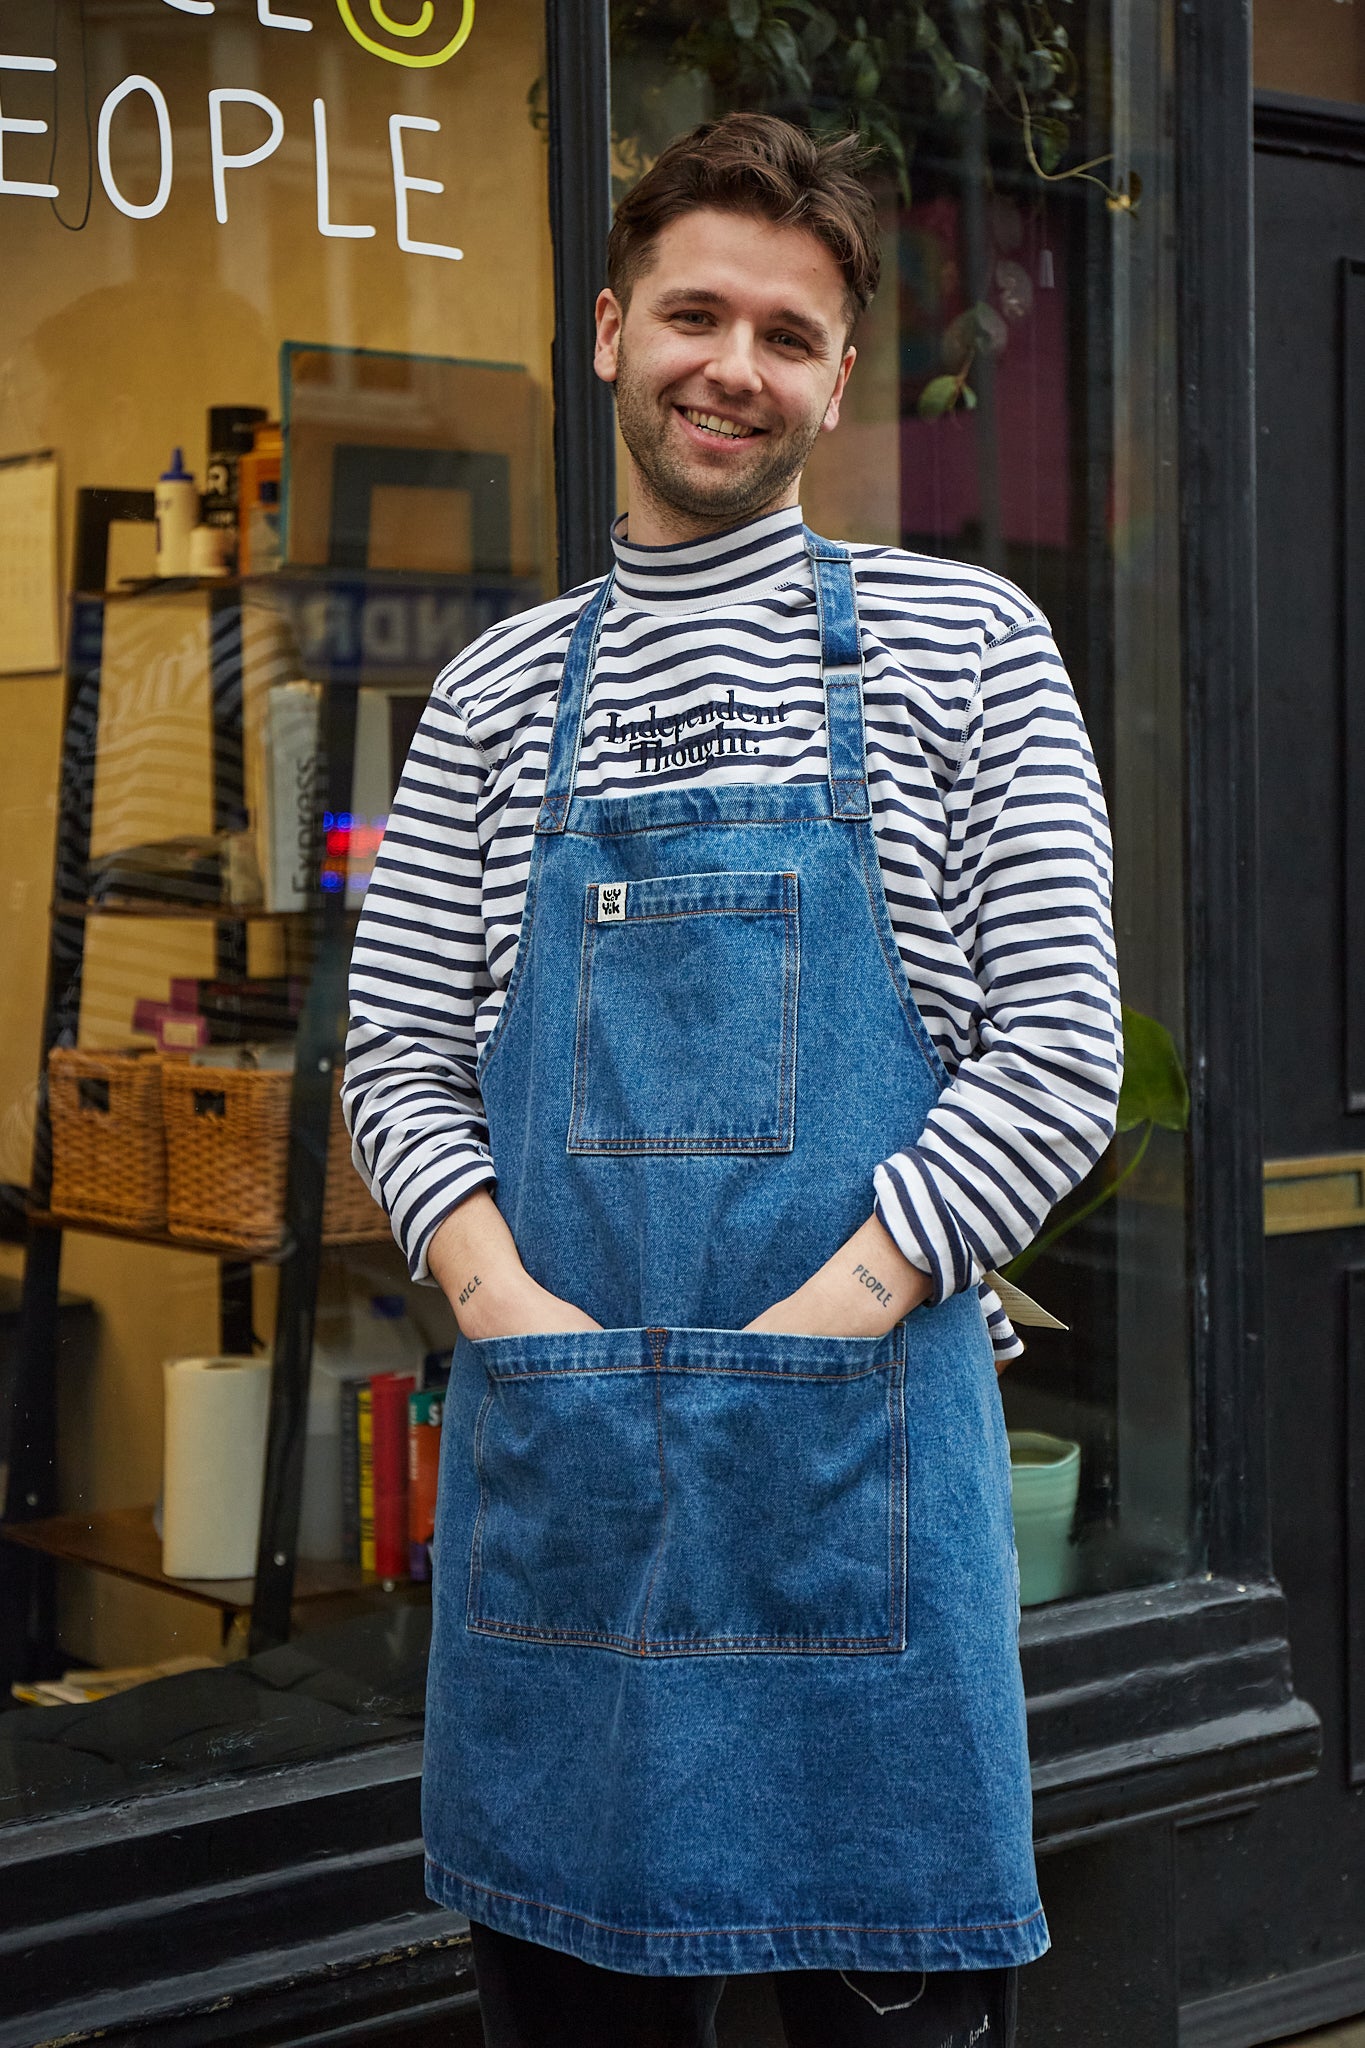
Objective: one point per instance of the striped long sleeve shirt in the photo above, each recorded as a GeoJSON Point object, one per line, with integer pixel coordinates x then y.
{"type": "Point", "coordinates": [990, 830]}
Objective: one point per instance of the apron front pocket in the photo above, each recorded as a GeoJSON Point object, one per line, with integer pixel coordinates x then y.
{"type": "Point", "coordinates": [686, 1033]}
{"type": "Point", "coordinates": [692, 1492]}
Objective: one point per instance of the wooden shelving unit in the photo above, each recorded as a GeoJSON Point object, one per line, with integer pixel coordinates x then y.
{"type": "Point", "coordinates": [215, 913]}
{"type": "Point", "coordinates": [262, 1252]}
{"type": "Point", "coordinates": [124, 1541]}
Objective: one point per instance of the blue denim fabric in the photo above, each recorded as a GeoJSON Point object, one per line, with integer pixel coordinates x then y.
{"type": "Point", "coordinates": [706, 969]}
{"type": "Point", "coordinates": [725, 1668]}
{"type": "Point", "coordinates": [681, 1553]}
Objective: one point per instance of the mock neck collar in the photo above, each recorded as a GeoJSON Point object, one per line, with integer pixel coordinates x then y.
{"type": "Point", "coordinates": [727, 568]}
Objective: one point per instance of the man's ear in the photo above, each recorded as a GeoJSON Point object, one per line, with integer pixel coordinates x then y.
{"type": "Point", "coordinates": [609, 317]}
{"type": "Point", "coordinates": [831, 419]}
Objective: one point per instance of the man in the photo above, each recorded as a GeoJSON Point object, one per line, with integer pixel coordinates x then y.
{"type": "Point", "coordinates": [743, 921]}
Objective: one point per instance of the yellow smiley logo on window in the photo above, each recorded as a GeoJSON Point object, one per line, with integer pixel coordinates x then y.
{"type": "Point", "coordinates": [406, 30]}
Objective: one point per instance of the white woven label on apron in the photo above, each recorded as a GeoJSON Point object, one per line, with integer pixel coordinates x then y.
{"type": "Point", "coordinates": [611, 902]}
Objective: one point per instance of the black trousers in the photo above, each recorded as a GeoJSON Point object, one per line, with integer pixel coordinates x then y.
{"type": "Point", "coordinates": [534, 1997]}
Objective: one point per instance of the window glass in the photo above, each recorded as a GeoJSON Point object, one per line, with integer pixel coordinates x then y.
{"type": "Point", "coordinates": [282, 274]}
{"type": "Point", "coordinates": [1013, 405]}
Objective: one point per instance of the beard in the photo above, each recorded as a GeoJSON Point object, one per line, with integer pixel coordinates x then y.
{"type": "Point", "coordinates": [645, 420]}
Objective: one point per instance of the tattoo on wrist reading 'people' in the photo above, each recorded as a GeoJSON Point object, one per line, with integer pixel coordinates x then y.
{"type": "Point", "coordinates": [465, 1292]}
{"type": "Point", "coordinates": [873, 1284]}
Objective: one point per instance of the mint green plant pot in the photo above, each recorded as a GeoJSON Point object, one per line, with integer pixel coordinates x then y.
{"type": "Point", "coordinates": [1045, 1476]}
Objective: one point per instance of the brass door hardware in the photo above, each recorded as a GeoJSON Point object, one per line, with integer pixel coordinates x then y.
{"type": "Point", "coordinates": [1325, 1193]}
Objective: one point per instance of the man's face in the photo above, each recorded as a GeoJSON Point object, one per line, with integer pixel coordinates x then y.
{"type": "Point", "coordinates": [728, 362]}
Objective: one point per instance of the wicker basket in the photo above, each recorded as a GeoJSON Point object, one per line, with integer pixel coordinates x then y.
{"type": "Point", "coordinates": [227, 1139]}
{"type": "Point", "coordinates": [108, 1141]}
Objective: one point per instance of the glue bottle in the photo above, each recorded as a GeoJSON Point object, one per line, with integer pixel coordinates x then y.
{"type": "Point", "coordinates": [177, 515]}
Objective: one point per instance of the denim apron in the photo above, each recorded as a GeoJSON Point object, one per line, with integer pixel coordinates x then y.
{"type": "Point", "coordinates": [724, 1673]}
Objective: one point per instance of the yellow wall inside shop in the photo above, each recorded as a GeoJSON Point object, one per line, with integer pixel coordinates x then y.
{"type": "Point", "coordinates": [1313, 47]}
{"type": "Point", "coordinates": [118, 338]}
{"type": "Point", "coordinates": [114, 341]}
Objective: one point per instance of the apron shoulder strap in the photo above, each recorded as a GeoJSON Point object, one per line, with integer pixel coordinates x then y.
{"type": "Point", "coordinates": [841, 669]}
{"type": "Point", "coordinates": [568, 727]}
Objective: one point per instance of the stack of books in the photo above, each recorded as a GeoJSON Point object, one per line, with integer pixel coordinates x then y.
{"type": "Point", "coordinates": [390, 1455]}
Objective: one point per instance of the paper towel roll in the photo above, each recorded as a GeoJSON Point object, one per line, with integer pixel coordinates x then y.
{"type": "Point", "coordinates": [216, 1412]}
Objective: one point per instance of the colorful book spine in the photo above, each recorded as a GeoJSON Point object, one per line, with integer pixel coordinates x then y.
{"type": "Point", "coordinates": [389, 1406]}
{"type": "Point", "coordinates": [364, 1432]}
{"type": "Point", "coordinates": [424, 1458]}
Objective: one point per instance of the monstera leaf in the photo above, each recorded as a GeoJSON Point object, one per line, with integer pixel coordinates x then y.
{"type": "Point", "coordinates": [1154, 1089]}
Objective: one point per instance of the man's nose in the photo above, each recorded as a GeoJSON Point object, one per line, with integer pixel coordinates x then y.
{"type": "Point", "coordinates": [734, 364]}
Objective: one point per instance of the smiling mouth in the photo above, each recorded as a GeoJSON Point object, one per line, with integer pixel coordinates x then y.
{"type": "Point", "coordinates": [722, 429]}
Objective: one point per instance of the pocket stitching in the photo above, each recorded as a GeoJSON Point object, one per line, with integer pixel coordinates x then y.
{"type": "Point", "coordinates": [578, 1099]}
{"type": "Point", "coordinates": [898, 1562]}
{"type": "Point", "coordinates": [791, 979]}
{"type": "Point", "coordinates": [690, 1646]}
{"type": "Point", "coordinates": [640, 1644]}
{"type": "Point", "coordinates": [786, 894]}
{"type": "Point", "coordinates": [784, 1107]}
{"type": "Point", "coordinates": [657, 1339]}
{"type": "Point", "coordinates": [476, 1545]}
{"type": "Point", "coordinates": [756, 1372]}
{"type": "Point", "coordinates": [701, 910]}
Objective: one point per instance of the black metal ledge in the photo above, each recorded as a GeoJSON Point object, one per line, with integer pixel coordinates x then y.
{"type": "Point", "coordinates": [185, 1914]}
{"type": "Point", "coordinates": [391, 1983]}
{"type": "Point", "coordinates": [1332, 130]}
{"type": "Point", "coordinates": [1169, 1702]}
{"type": "Point", "coordinates": [156, 1912]}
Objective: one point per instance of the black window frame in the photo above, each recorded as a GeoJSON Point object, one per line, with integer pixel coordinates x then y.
{"type": "Point", "coordinates": [1196, 1650]}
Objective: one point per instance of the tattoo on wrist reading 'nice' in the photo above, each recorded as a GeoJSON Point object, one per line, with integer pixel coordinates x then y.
{"type": "Point", "coordinates": [871, 1282]}
{"type": "Point", "coordinates": [465, 1292]}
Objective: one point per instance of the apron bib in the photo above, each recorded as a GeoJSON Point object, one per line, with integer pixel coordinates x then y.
{"type": "Point", "coordinates": [724, 1672]}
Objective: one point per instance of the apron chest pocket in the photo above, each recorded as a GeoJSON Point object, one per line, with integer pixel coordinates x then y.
{"type": "Point", "coordinates": [686, 1031]}
{"type": "Point", "coordinates": [692, 1492]}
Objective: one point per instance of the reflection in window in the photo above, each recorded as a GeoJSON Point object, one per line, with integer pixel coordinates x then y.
{"type": "Point", "coordinates": [1013, 405]}
{"type": "Point", "coordinates": [323, 277]}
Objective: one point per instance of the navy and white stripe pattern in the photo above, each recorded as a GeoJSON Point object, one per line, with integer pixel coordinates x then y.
{"type": "Point", "coordinates": [990, 829]}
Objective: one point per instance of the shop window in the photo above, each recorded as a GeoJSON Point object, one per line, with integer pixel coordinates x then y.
{"type": "Point", "coordinates": [281, 273]}
{"type": "Point", "coordinates": [251, 262]}
{"type": "Point", "coordinates": [1013, 405]}
{"type": "Point", "coordinates": [1313, 48]}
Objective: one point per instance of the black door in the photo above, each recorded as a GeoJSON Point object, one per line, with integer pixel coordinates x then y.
{"type": "Point", "coordinates": [1279, 1893]}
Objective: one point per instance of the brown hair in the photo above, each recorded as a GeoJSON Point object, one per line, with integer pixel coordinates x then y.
{"type": "Point", "coordinates": [754, 163]}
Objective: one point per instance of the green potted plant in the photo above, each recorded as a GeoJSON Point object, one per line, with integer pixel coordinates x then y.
{"type": "Point", "coordinates": [1045, 1470]}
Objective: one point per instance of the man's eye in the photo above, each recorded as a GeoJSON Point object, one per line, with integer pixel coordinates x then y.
{"type": "Point", "coordinates": [789, 341]}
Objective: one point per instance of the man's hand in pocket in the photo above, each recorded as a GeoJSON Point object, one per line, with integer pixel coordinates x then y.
{"type": "Point", "coordinates": [863, 1291]}
{"type": "Point", "coordinates": [475, 1262]}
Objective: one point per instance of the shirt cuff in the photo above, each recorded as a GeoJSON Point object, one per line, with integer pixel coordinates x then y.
{"type": "Point", "coordinates": [1006, 1342]}
{"type": "Point", "coordinates": [908, 1204]}
{"type": "Point", "coordinates": [433, 1215]}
